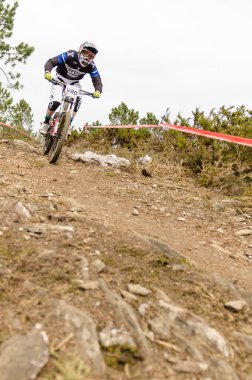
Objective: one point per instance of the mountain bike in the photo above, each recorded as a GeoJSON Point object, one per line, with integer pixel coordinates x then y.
{"type": "Point", "coordinates": [60, 121]}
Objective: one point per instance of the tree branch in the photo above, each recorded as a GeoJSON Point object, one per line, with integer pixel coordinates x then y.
{"type": "Point", "coordinates": [6, 76]}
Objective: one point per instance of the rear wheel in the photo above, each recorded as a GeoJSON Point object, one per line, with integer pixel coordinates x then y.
{"type": "Point", "coordinates": [59, 140]}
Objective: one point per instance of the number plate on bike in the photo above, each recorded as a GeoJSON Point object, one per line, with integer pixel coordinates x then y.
{"type": "Point", "coordinates": [72, 91]}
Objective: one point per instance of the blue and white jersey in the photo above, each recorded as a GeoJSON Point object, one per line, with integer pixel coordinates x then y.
{"type": "Point", "coordinates": [68, 66]}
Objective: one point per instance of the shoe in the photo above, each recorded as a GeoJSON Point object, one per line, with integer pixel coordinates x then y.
{"type": "Point", "coordinates": [44, 129]}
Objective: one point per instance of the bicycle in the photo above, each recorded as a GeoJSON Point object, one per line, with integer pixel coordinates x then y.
{"type": "Point", "coordinates": [61, 120]}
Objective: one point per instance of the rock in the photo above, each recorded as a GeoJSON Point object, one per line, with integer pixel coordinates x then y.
{"type": "Point", "coordinates": [161, 327]}
{"type": "Point", "coordinates": [46, 255]}
{"type": "Point", "coordinates": [167, 251]}
{"type": "Point", "coordinates": [222, 370]}
{"type": "Point", "coordinates": [194, 326]}
{"type": "Point", "coordinates": [22, 357]}
{"type": "Point", "coordinates": [146, 173]}
{"type": "Point", "coordinates": [236, 305]}
{"type": "Point", "coordinates": [98, 265]}
{"type": "Point", "coordinates": [188, 366]}
{"type": "Point", "coordinates": [110, 337]}
{"type": "Point", "coordinates": [43, 228]}
{"type": "Point", "coordinates": [96, 253]}
{"type": "Point", "coordinates": [145, 160]}
{"type": "Point", "coordinates": [246, 340]}
{"type": "Point", "coordinates": [128, 296]}
{"type": "Point", "coordinates": [83, 327]}
{"type": "Point", "coordinates": [126, 314]}
{"type": "Point", "coordinates": [143, 308]}
{"type": "Point", "coordinates": [181, 219]}
{"type": "Point", "coordinates": [89, 285]}
{"type": "Point", "coordinates": [162, 209]}
{"type": "Point", "coordinates": [179, 268]}
{"type": "Point", "coordinates": [22, 210]}
{"type": "Point", "coordinates": [138, 289]}
{"type": "Point", "coordinates": [244, 232]}
{"type": "Point", "coordinates": [211, 335]}
{"type": "Point", "coordinates": [3, 182]}
{"type": "Point", "coordinates": [24, 146]}
{"type": "Point", "coordinates": [239, 219]}
{"type": "Point", "coordinates": [85, 267]}
{"type": "Point", "coordinates": [104, 160]}
{"type": "Point", "coordinates": [135, 212]}
{"type": "Point", "coordinates": [216, 246]}
{"type": "Point", "coordinates": [48, 195]}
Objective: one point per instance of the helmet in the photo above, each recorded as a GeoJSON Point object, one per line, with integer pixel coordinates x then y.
{"type": "Point", "coordinates": [87, 52]}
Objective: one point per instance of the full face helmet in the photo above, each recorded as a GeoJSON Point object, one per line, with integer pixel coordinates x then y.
{"type": "Point", "coordinates": [87, 52]}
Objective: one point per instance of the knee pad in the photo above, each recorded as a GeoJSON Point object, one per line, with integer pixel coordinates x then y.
{"type": "Point", "coordinates": [53, 106]}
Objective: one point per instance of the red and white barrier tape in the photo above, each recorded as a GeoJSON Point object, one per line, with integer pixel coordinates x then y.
{"type": "Point", "coordinates": [213, 135]}
{"type": "Point", "coordinates": [200, 132]}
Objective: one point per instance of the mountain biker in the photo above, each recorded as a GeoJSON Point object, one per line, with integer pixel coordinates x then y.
{"type": "Point", "coordinates": [71, 67]}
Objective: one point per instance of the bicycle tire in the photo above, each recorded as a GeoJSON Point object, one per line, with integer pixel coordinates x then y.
{"type": "Point", "coordinates": [47, 144]}
{"type": "Point", "coordinates": [59, 140]}
{"type": "Point", "coordinates": [49, 138]}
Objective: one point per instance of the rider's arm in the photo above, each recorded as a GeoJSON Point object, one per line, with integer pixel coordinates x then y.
{"type": "Point", "coordinates": [96, 79]}
{"type": "Point", "coordinates": [58, 60]}
{"type": "Point", "coordinates": [51, 63]}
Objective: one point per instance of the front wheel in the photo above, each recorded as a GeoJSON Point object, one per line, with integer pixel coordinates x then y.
{"type": "Point", "coordinates": [49, 138]}
{"type": "Point", "coordinates": [59, 140]}
{"type": "Point", "coordinates": [47, 144]}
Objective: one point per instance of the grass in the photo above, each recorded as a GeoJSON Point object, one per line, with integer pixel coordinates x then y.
{"type": "Point", "coordinates": [5, 251]}
{"type": "Point", "coordinates": [167, 261]}
{"type": "Point", "coordinates": [70, 368]}
{"type": "Point", "coordinates": [117, 356]}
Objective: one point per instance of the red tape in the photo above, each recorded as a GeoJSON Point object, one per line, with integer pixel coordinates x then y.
{"type": "Point", "coordinates": [18, 130]}
{"type": "Point", "coordinates": [200, 132]}
{"type": "Point", "coordinates": [213, 135]}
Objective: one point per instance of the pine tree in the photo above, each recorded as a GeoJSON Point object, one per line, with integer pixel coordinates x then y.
{"type": "Point", "coordinates": [122, 115]}
{"type": "Point", "coordinates": [11, 55]}
{"type": "Point", "coordinates": [5, 104]}
{"type": "Point", "coordinates": [149, 119]}
{"type": "Point", "coordinates": [21, 116]}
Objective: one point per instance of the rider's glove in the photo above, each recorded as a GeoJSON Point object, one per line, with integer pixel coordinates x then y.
{"type": "Point", "coordinates": [48, 75]}
{"type": "Point", "coordinates": [96, 94]}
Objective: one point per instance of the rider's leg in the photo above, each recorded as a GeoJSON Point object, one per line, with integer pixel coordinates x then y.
{"type": "Point", "coordinates": [55, 100]}
{"type": "Point", "coordinates": [52, 107]}
{"type": "Point", "coordinates": [48, 116]}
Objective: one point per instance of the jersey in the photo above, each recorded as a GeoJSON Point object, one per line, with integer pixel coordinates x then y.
{"type": "Point", "coordinates": [69, 67]}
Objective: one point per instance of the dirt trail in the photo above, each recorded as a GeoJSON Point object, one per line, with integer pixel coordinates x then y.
{"type": "Point", "coordinates": [195, 222]}
{"type": "Point", "coordinates": [127, 222]}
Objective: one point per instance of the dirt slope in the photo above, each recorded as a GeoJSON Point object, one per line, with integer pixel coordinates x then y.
{"type": "Point", "coordinates": [74, 237]}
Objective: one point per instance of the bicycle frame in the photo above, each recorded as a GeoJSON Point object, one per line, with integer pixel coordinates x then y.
{"type": "Point", "coordinates": [61, 121]}
{"type": "Point", "coordinates": [69, 97]}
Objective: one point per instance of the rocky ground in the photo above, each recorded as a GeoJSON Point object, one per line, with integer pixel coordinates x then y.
{"type": "Point", "coordinates": [108, 274]}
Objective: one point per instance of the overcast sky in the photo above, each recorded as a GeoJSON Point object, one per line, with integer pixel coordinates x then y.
{"type": "Point", "coordinates": [153, 54]}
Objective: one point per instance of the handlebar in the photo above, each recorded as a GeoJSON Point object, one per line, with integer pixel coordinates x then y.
{"type": "Point", "coordinates": [83, 92]}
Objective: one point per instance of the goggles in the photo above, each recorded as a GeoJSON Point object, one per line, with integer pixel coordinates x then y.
{"type": "Point", "coordinates": [87, 55]}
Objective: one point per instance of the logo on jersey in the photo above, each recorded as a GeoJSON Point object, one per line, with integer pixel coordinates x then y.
{"type": "Point", "coordinates": [73, 73]}
{"type": "Point", "coordinates": [70, 54]}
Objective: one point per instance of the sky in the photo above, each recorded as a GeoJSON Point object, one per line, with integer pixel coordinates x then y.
{"type": "Point", "coordinates": [153, 54]}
